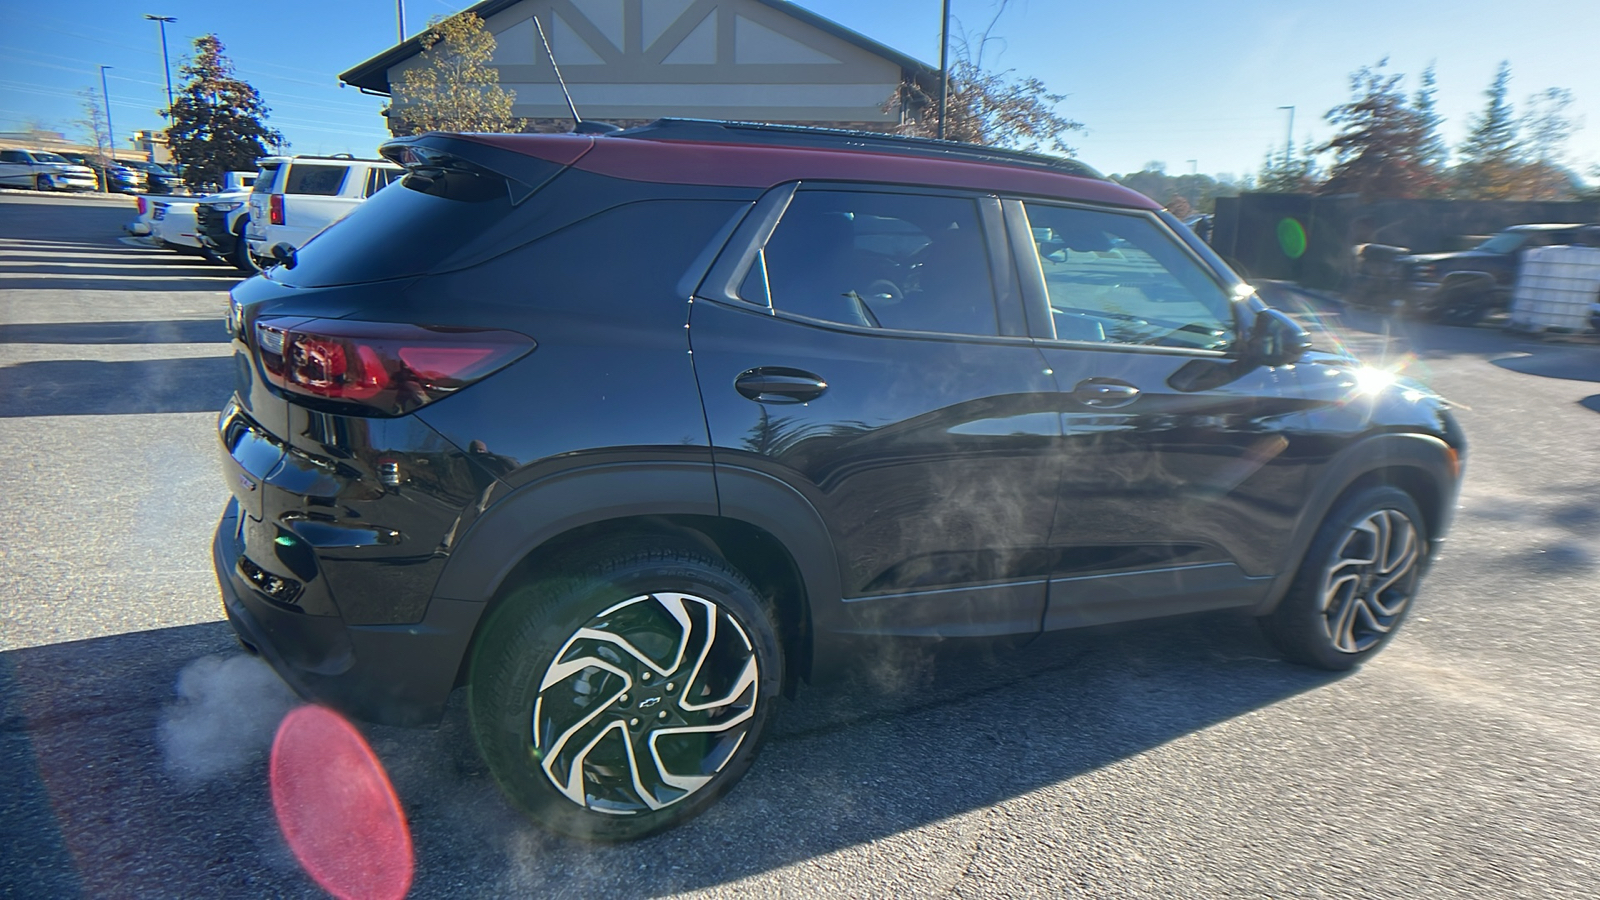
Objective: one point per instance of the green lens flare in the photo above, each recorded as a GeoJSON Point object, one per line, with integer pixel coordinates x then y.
{"type": "Point", "coordinates": [1291, 238]}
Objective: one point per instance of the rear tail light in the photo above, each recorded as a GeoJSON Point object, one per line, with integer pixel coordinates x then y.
{"type": "Point", "coordinates": [142, 206]}
{"type": "Point", "coordinates": [275, 209]}
{"type": "Point", "coordinates": [381, 368]}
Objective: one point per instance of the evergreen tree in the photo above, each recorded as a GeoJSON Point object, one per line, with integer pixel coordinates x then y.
{"type": "Point", "coordinates": [455, 88]}
{"type": "Point", "coordinates": [1377, 152]}
{"type": "Point", "coordinates": [1289, 174]}
{"type": "Point", "coordinates": [1487, 170]}
{"type": "Point", "coordinates": [216, 118]}
{"type": "Point", "coordinates": [1433, 155]}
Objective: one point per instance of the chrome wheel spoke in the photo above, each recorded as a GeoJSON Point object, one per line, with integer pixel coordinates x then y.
{"type": "Point", "coordinates": [1367, 583]}
{"type": "Point", "coordinates": [645, 703]}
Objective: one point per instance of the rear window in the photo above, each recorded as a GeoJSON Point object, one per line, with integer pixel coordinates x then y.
{"type": "Point", "coordinates": [264, 178]}
{"type": "Point", "coordinates": [404, 230]}
{"type": "Point", "coordinates": [310, 178]}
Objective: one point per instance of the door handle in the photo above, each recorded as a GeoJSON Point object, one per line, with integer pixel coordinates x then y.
{"type": "Point", "coordinates": [779, 385]}
{"type": "Point", "coordinates": [1104, 393]}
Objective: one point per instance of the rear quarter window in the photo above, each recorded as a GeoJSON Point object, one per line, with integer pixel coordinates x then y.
{"type": "Point", "coordinates": [317, 180]}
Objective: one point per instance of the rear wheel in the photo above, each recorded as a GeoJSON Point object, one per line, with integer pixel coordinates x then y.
{"type": "Point", "coordinates": [1460, 306]}
{"type": "Point", "coordinates": [621, 700]}
{"type": "Point", "coordinates": [240, 257]}
{"type": "Point", "coordinates": [1356, 583]}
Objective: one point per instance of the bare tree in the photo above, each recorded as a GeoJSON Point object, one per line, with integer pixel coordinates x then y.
{"type": "Point", "coordinates": [454, 88]}
{"type": "Point", "coordinates": [986, 107]}
{"type": "Point", "coordinates": [94, 122]}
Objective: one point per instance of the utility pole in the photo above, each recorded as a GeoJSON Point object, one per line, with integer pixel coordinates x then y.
{"type": "Point", "coordinates": [166, 67]}
{"type": "Point", "coordinates": [400, 18]}
{"type": "Point", "coordinates": [1288, 140]}
{"type": "Point", "coordinates": [111, 133]}
{"type": "Point", "coordinates": [944, 65]}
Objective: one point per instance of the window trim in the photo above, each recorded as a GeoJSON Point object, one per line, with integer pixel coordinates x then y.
{"type": "Point", "coordinates": [725, 282]}
{"type": "Point", "coordinates": [1036, 295]}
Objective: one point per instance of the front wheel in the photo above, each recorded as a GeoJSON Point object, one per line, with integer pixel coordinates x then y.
{"type": "Point", "coordinates": [1356, 583]}
{"type": "Point", "coordinates": [616, 702]}
{"type": "Point", "coordinates": [42, 183]}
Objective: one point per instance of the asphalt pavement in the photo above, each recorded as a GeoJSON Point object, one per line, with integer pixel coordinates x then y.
{"type": "Point", "coordinates": [1180, 759]}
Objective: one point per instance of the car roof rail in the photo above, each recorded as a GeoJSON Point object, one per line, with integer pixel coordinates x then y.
{"type": "Point", "coordinates": [807, 136]}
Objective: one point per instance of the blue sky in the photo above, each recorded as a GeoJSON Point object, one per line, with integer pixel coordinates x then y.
{"type": "Point", "coordinates": [1159, 80]}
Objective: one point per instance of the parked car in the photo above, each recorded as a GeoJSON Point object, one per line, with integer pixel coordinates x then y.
{"type": "Point", "coordinates": [1463, 287]}
{"type": "Point", "coordinates": [173, 225]}
{"type": "Point", "coordinates": [631, 433]}
{"type": "Point", "coordinates": [160, 179]}
{"type": "Point", "coordinates": [111, 174]}
{"type": "Point", "coordinates": [221, 218]}
{"type": "Point", "coordinates": [297, 196]}
{"type": "Point", "coordinates": [44, 171]}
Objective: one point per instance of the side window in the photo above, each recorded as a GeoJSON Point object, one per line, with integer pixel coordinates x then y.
{"type": "Point", "coordinates": [378, 179]}
{"type": "Point", "coordinates": [898, 261]}
{"type": "Point", "coordinates": [12, 156]}
{"type": "Point", "coordinates": [1119, 278]}
{"type": "Point", "coordinates": [310, 178]}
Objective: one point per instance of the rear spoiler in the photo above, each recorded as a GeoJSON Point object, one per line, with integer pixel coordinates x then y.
{"type": "Point", "coordinates": [435, 154]}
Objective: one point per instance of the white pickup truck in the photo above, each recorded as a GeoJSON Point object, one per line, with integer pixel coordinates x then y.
{"type": "Point", "coordinates": [297, 196]}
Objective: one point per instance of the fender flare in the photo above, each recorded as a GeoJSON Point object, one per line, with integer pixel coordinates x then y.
{"type": "Point", "coordinates": [1466, 279]}
{"type": "Point", "coordinates": [1428, 455]}
{"type": "Point", "coordinates": [533, 514]}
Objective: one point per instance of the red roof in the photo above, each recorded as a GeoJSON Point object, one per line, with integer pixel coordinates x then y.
{"type": "Point", "coordinates": [765, 165]}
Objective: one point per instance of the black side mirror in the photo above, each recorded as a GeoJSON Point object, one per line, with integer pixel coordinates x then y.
{"type": "Point", "coordinates": [284, 254]}
{"type": "Point", "coordinates": [1276, 339]}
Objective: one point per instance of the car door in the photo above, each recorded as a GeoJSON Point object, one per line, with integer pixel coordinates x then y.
{"type": "Point", "coordinates": [1179, 485]}
{"type": "Point", "coordinates": [866, 348]}
{"type": "Point", "coordinates": [16, 168]}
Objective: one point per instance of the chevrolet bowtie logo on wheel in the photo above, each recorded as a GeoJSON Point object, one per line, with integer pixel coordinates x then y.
{"type": "Point", "coordinates": [649, 703]}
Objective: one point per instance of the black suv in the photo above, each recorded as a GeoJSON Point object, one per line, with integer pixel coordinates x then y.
{"type": "Point", "coordinates": [630, 433]}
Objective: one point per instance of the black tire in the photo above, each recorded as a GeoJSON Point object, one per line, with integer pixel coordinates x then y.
{"type": "Point", "coordinates": [1338, 611]}
{"type": "Point", "coordinates": [240, 257]}
{"type": "Point", "coordinates": [541, 728]}
{"type": "Point", "coordinates": [1462, 307]}
{"type": "Point", "coordinates": [42, 183]}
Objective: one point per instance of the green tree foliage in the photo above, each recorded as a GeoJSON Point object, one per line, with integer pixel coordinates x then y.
{"type": "Point", "coordinates": [453, 87]}
{"type": "Point", "coordinates": [1378, 152]}
{"type": "Point", "coordinates": [1289, 173]}
{"type": "Point", "coordinates": [996, 108]}
{"type": "Point", "coordinates": [217, 119]}
{"type": "Point", "coordinates": [1489, 158]}
{"type": "Point", "coordinates": [1433, 155]}
{"type": "Point", "coordinates": [1193, 193]}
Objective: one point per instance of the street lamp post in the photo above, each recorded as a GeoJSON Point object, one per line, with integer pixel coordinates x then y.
{"type": "Point", "coordinates": [944, 65]}
{"type": "Point", "coordinates": [1288, 140]}
{"type": "Point", "coordinates": [111, 133]}
{"type": "Point", "coordinates": [166, 67]}
{"type": "Point", "coordinates": [400, 18]}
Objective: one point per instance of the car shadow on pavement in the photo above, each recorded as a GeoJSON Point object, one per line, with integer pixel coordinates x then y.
{"type": "Point", "coordinates": [91, 388]}
{"type": "Point", "coordinates": [168, 331]}
{"type": "Point", "coordinates": [136, 764]}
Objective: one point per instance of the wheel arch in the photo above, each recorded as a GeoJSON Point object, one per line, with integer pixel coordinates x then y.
{"type": "Point", "coordinates": [763, 528]}
{"type": "Point", "coordinates": [1424, 466]}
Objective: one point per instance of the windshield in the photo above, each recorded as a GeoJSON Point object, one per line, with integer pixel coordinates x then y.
{"type": "Point", "coordinates": [1504, 242]}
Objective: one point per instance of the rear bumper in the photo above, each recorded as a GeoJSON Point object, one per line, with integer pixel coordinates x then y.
{"type": "Point", "coordinates": [388, 674]}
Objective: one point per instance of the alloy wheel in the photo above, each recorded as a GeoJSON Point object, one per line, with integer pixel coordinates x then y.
{"type": "Point", "coordinates": [1366, 586]}
{"type": "Point", "coordinates": [645, 703]}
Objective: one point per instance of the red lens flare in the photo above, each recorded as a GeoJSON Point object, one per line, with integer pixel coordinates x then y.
{"type": "Point", "coordinates": [337, 809]}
